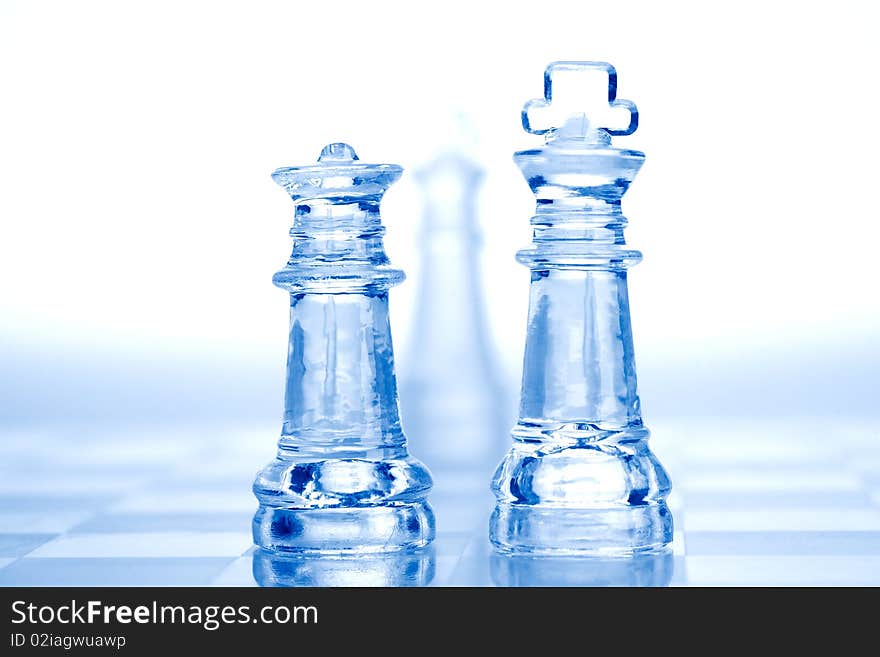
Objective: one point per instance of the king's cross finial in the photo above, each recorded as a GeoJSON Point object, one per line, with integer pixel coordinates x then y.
{"type": "Point", "coordinates": [580, 97]}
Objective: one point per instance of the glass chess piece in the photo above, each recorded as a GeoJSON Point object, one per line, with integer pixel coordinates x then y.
{"type": "Point", "coordinates": [451, 394]}
{"type": "Point", "coordinates": [343, 480]}
{"type": "Point", "coordinates": [580, 477]}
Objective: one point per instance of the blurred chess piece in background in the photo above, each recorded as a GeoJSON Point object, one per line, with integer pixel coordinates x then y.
{"type": "Point", "coordinates": [454, 407]}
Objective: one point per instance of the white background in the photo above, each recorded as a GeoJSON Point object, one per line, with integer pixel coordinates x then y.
{"type": "Point", "coordinates": [140, 227]}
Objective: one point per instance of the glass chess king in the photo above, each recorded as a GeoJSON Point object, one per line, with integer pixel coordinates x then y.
{"type": "Point", "coordinates": [342, 481]}
{"type": "Point", "coordinates": [580, 477]}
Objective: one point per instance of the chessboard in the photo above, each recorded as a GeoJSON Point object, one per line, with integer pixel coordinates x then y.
{"type": "Point", "coordinates": [775, 502]}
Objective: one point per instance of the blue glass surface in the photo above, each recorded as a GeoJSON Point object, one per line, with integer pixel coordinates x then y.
{"type": "Point", "coordinates": [757, 502]}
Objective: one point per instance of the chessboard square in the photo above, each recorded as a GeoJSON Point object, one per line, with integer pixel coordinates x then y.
{"type": "Point", "coordinates": [184, 571]}
{"type": "Point", "coordinates": [159, 544]}
{"type": "Point", "coordinates": [145, 523]}
{"type": "Point", "coordinates": [814, 520]}
{"type": "Point", "coordinates": [783, 571]}
{"type": "Point", "coordinates": [18, 545]}
{"type": "Point", "coordinates": [779, 543]}
{"type": "Point", "coordinates": [54, 521]}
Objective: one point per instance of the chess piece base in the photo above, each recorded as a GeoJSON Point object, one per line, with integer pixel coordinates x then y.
{"type": "Point", "coordinates": [584, 497]}
{"type": "Point", "coordinates": [338, 531]}
{"type": "Point", "coordinates": [343, 505]}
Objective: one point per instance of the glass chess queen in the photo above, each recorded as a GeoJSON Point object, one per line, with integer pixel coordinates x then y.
{"type": "Point", "coordinates": [343, 480]}
{"type": "Point", "coordinates": [580, 477]}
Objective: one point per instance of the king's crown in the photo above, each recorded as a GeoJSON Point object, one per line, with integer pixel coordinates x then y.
{"type": "Point", "coordinates": [580, 103]}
